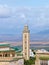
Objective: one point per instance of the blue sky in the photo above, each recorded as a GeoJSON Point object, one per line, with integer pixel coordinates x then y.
{"type": "Point", "coordinates": [25, 2]}
{"type": "Point", "coordinates": [14, 14]}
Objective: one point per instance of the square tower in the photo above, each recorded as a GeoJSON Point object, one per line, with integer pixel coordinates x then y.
{"type": "Point", "coordinates": [26, 42]}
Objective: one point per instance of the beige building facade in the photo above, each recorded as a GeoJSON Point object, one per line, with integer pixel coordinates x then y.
{"type": "Point", "coordinates": [8, 56]}
{"type": "Point", "coordinates": [26, 42]}
{"type": "Point", "coordinates": [42, 58]}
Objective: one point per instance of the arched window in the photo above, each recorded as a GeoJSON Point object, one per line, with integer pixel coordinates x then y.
{"type": "Point", "coordinates": [25, 41]}
{"type": "Point", "coordinates": [25, 54]}
{"type": "Point", "coordinates": [5, 55]}
{"type": "Point", "coordinates": [13, 55]}
{"type": "Point", "coordinates": [25, 36]}
{"type": "Point", "coordinates": [25, 47]}
{"type": "Point", "coordinates": [0, 55]}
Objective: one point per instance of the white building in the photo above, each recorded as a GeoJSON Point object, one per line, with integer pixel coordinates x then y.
{"type": "Point", "coordinates": [31, 53]}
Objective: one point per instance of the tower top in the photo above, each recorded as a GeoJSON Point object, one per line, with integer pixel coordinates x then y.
{"type": "Point", "coordinates": [26, 29]}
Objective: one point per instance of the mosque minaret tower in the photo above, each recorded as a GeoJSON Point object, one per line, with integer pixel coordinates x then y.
{"type": "Point", "coordinates": [26, 43]}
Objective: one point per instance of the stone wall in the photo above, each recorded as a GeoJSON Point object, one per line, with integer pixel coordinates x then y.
{"type": "Point", "coordinates": [18, 62]}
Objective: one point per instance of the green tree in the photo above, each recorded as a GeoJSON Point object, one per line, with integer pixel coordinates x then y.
{"type": "Point", "coordinates": [30, 61]}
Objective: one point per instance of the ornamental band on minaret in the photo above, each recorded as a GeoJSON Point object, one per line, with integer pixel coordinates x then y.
{"type": "Point", "coordinates": [26, 42]}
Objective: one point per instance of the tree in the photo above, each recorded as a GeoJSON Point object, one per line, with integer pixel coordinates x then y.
{"type": "Point", "coordinates": [30, 61]}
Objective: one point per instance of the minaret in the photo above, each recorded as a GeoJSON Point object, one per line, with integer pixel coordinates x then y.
{"type": "Point", "coordinates": [26, 42]}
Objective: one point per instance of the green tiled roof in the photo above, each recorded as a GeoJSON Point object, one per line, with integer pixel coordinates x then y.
{"type": "Point", "coordinates": [5, 45]}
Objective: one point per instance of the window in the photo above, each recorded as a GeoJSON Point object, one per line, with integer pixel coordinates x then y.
{"type": "Point", "coordinates": [0, 55]}
{"type": "Point", "coordinates": [6, 55]}
{"type": "Point", "coordinates": [25, 53]}
{"type": "Point", "coordinates": [13, 55]}
{"type": "Point", "coordinates": [25, 47]}
{"type": "Point", "coordinates": [43, 62]}
{"type": "Point", "coordinates": [25, 36]}
{"type": "Point", "coordinates": [25, 41]}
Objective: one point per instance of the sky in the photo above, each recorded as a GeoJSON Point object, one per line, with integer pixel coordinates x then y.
{"type": "Point", "coordinates": [15, 14]}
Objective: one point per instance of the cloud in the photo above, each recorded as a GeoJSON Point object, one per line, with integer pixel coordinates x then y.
{"type": "Point", "coordinates": [22, 16]}
{"type": "Point", "coordinates": [5, 11]}
{"type": "Point", "coordinates": [36, 17]}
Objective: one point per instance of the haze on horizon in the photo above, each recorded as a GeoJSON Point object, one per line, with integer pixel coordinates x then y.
{"type": "Point", "coordinates": [14, 14]}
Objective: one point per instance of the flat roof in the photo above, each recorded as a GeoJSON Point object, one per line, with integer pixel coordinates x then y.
{"type": "Point", "coordinates": [7, 50]}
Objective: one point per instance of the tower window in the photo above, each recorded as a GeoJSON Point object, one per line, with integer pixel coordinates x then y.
{"type": "Point", "coordinates": [25, 41]}
{"type": "Point", "coordinates": [25, 36]}
{"type": "Point", "coordinates": [25, 54]}
{"type": "Point", "coordinates": [25, 47]}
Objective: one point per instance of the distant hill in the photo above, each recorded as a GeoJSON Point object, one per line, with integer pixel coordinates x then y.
{"type": "Point", "coordinates": [10, 38]}
{"type": "Point", "coordinates": [40, 36]}
{"type": "Point", "coordinates": [33, 46]}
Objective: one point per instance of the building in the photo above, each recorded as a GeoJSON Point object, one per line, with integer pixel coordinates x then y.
{"type": "Point", "coordinates": [26, 42]}
{"type": "Point", "coordinates": [8, 56]}
{"type": "Point", "coordinates": [31, 53]}
{"type": "Point", "coordinates": [42, 57]}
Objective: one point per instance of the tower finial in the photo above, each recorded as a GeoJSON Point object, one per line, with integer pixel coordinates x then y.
{"type": "Point", "coordinates": [26, 29]}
